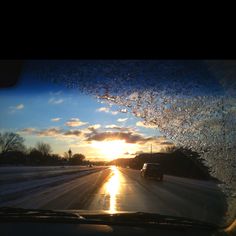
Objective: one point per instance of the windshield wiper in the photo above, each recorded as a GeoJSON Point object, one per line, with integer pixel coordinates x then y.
{"type": "Point", "coordinates": [11, 213]}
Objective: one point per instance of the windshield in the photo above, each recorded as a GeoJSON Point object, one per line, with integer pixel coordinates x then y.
{"type": "Point", "coordinates": [76, 135]}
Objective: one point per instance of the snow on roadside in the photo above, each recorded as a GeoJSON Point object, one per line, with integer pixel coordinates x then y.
{"type": "Point", "coordinates": [13, 190]}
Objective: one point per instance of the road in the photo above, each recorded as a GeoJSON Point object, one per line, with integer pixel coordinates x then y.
{"type": "Point", "coordinates": [113, 189]}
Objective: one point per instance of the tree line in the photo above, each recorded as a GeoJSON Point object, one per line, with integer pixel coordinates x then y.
{"type": "Point", "coordinates": [14, 151]}
{"type": "Point", "coordinates": [176, 161]}
{"type": "Point", "coordinates": [180, 162]}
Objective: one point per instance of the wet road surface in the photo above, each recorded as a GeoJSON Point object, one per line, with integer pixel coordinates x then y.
{"type": "Point", "coordinates": [119, 189]}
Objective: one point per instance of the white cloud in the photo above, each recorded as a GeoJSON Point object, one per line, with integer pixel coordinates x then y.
{"type": "Point", "coordinates": [110, 126]}
{"type": "Point", "coordinates": [58, 101]}
{"type": "Point", "coordinates": [52, 132]}
{"type": "Point", "coordinates": [75, 122]}
{"type": "Point", "coordinates": [28, 130]}
{"type": "Point", "coordinates": [55, 119]}
{"type": "Point", "coordinates": [116, 127]}
{"type": "Point", "coordinates": [103, 109]}
{"type": "Point", "coordinates": [128, 137]}
{"type": "Point", "coordinates": [55, 101]}
{"type": "Point", "coordinates": [20, 106]}
{"type": "Point", "coordinates": [49, 132]}
{"type": "Point", "coordinates": [96, 126]}
{"type": "Point", "coordinates": [141, 124]}
{"type": "Point", "coordinates": [107, 110]}
{"type": "Point", "coordinates": [114, 112]}
{"type": "Point", "coordinates": [122, 119]}
{"type": "Point", "coordinates": [17, 107]}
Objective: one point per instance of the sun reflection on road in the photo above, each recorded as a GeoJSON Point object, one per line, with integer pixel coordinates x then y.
{"type": "Point", "coordinates": [112, 188]}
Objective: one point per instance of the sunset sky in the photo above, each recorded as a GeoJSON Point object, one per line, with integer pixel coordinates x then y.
{"type": "Point", "coordinates": [65, 118]}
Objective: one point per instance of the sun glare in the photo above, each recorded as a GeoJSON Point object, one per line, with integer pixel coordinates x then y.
{"type": "Point", "coordinates": [112, 188]}
{"type": "Point", "coordinates": [111, 149]}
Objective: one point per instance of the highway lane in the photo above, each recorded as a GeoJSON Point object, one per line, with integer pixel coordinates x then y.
{"type": "Point", "coordinates": [23, 173]}
{"type": "Point", "coordinates": [118, 189]}
{"type": "Point", "coordinates": [127, 190]}
{"type": "Point", "coordinates": [37, 192]}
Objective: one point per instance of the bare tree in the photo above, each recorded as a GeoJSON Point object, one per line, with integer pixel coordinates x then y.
{"type": "Point", "coordinates": [44, 148]}
{"type": "Point", "coordinates": [11, 142]}
{"type": "Point", "coordinates": [66, 155]}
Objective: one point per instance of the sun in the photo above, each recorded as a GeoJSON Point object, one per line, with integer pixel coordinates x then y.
{"type": "Point", "coordinates": [110, 149]}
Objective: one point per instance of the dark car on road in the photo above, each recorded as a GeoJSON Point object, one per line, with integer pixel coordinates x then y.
{"type": "Point", "coordinates": [152, 170]}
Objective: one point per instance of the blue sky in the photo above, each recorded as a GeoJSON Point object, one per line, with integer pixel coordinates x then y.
{"type": "Point", "coordinates": [44, 111]}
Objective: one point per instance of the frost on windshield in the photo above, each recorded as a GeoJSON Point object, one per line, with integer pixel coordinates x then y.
{"type": "Point", "coordinates": [193, 103]}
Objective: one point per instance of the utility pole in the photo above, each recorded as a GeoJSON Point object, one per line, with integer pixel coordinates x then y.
{"type": "Point", "coordinates": [151, 149]}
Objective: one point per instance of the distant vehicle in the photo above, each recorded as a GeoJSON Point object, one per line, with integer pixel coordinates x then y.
{"type": "Point", "coordinates": [153, 170]}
